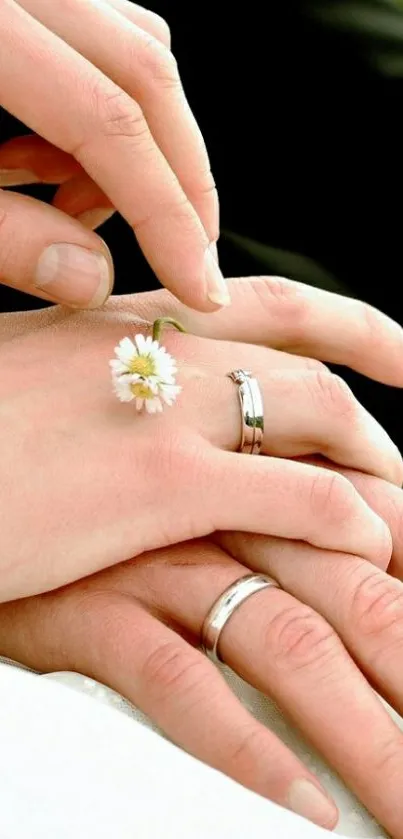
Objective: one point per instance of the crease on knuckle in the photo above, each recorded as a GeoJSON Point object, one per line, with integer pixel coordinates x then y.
{"type": "Point", "coordinates": [315, 365]}
{"type": "Point", "coordinates": [161, 29]}
{"type": "Point", "coordinates": [334, 394]}
{"type": "Point", "coordinates": [241, 758]}
{"type": "Point", "coordinates": [283, 301]}
{"type": "Point", "coordinates": [331, 497]}
{"type": "Point", "coordinates": [112, 114]}
{"type": "Point", "coordinates": [159, 63]}
{"type": "Point", "coordinates": [373, 328]}
{"type": "Point", "coordinates": [301, 639]}
{"type": "Point", "coordinates": [387, 758]}
{"type": "Point", "coordinates": [171, 670]}
{"type": "Point", "coordinates": [377, 604]}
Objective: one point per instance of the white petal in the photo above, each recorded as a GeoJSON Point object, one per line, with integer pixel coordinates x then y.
{"type": "Point", "coordinates": [125, 350]}
{"type": "Point", "coordinates": [140, 344]}
{"type": "Point", "coordinates": [169, 393]}
{"type": "Point", "coordinates": [139, 403]}
{"type": "Point", "coordinates": [153, 406]}
{"type": "Point", "coordinates": [118, 367]}
{"type": "Point", "coordinates": [122, 391]}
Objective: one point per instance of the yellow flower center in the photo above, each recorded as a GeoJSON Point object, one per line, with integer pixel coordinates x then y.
{"type": "Point", "coordinates": [141, 390]}
{"type": "Point", "coordinates": [143, 365]}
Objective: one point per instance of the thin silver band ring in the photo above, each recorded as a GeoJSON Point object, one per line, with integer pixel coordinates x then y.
{"type": "Point", "coordinates": [251, 402]}
{"type": "Point", "coordinates": [226, 605]}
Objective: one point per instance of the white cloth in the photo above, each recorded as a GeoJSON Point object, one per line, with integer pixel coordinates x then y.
{"type": "Point", "coordinates": [89, 767]}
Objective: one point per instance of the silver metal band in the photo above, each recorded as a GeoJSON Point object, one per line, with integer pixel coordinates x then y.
{"type": "Point", "coordinates": [226, 605]}
{"type": "Point", "coordinates": [251, 401]}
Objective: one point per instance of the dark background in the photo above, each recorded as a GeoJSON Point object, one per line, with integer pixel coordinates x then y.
{"type": "Point", "coordinates": [300, 105]}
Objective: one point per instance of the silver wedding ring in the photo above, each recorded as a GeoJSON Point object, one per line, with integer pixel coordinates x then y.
{"type": "Point", "coordinates": [251, 402]}
{"type": "Point", "coordinates": [226, 605]}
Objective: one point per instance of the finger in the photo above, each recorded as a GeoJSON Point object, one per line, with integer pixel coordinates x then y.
{"type": "Point", "coordinates": [107, 132]}
{"type": "Point", "coordinates": [297, 318]}
{"type": "Point", "coordinates": [30, 159]}
{"type": "Point", "coordinates": [175, 685]}
{"type": "Point", "coordinates": [147, 72]}
{"type": "Point", "coordinates": [291, 500]}
{"type": "Point", "coordinates": [51, 256]}
{"type": "Point", "coordinates": [385, 499]}
{"type": "Point", "coordinates": [149, 21]}
{"type": "Point", "coordinates": [306, 412]}
{"type": "Point", "coordinates": [363, 604]}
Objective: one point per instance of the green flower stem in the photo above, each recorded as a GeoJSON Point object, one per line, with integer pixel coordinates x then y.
{"type": "Point", "coordinates": [159, 324]}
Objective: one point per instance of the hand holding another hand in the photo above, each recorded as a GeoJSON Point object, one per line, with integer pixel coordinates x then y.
{"type": "Point", "coordinates": [86, 482]}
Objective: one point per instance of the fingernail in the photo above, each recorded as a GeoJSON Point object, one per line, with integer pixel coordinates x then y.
{"type": "Point", "coordinates": [308, 801]}
{"type": "Point", "coordinates": [74, 275]}
{"type": "Point", "coordinates": [217, 290]}
{"type": "Point", "coordinates": [214, 250]}
{"type": "Point", "coordinates": [94, 218]}
{"type": "Point", "coordinates": [17, 177]}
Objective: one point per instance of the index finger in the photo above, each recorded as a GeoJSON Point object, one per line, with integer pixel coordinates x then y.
{"type": "Point", "coordinates": [147, 72]}
{"type": "Point", "coordinates": [86, 114]}
{"type": "Point", "coordinates": [297, 318]}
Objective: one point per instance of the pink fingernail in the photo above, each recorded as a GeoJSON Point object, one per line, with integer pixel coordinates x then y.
{"type": "Point", "coordinates": [217, 289]}
{"type": "Point", "coordinates": [74, 275]}
{"type": "Point", "coordinates": [305, 799]}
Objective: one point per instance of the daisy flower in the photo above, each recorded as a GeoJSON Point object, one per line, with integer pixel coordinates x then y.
{"type": "Point", "coordinates": [145, 372]}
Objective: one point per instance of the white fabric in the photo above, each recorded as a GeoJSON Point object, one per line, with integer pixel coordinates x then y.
{"type": "Point", "coordinates": [76, 766]}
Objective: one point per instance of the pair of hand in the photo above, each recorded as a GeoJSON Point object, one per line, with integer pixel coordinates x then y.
{"type": "Point", "coordinates": [97, 82]}
{"type": "Point", "coordinates": [176, 477]}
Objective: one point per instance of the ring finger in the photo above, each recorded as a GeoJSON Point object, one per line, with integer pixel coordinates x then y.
{"type": "Point", "coordinates": [305, 412]}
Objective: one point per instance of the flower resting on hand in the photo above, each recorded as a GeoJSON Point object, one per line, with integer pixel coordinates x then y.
{"type": "Point", "coordinates": [145, 372]}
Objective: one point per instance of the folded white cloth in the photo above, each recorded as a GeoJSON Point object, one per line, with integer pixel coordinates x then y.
{"type": "Point", "coordinates": [75, 766]}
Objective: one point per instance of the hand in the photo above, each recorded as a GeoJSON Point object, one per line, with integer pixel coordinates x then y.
{"type": "Point", "coordinates": [86, 482]}
{"type": "Point", "coordinates": [97, 82]}
{"type": "Point", "coordinates": [135, 626]}
{"type": "Point", "coordinates": [99, 483]}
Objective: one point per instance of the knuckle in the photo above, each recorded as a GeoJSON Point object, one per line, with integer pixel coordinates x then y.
{"type": "Point", "coordinates": [334, 394]}
{"type": "Point", "coordinates": [331, 496]}
{"type": "Point", "coordinates": [282, 300]}
{"type": "Point", "coordinates": [377, 604]}
{"type": "Point", "coordinates": [301, 639]}
{"type": "Point", "coordinates": [387, 760]}
{"type": "Point", "coordinates": [315, 366]}
{"type": "Point", "coordinates": [159, 63]}
{"type": "Point", "coordinates": [372, 326]}
{"type": "Point", "coordinates": [115, 113]}
{"type": "Point", "coordinates": [171, 670]}
{"type": "Point", "coordinates": [249, 744]}
{"type": "Point", "coordinates": [161, 29]}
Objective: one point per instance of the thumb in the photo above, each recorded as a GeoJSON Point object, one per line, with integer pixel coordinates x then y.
{"type": "Point", "coordinates": [50, 255]}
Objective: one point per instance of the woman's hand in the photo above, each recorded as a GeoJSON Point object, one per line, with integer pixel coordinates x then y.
{"type": "Point", "coordinates": [97, 82]}
{"type": "Point", "coordinates": [135, 627]}
{"type": "Point", "coordinates": [86, 482]}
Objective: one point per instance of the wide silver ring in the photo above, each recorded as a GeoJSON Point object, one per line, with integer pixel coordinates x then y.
{"type": "Point", "coordinates": [252, 415]}
{"type": "Point", "coordinates": [226, 605]}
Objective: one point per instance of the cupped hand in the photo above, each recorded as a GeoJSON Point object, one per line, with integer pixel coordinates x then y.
{"type": "Point", "coordinates": [97, 82]}
{"type": "Point", "coordinates": [87, 482]}
{"type": "Point", "coordinates": [317, 646]}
